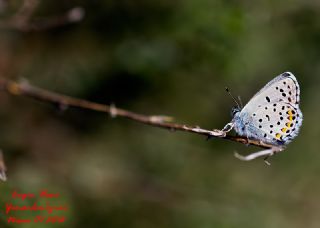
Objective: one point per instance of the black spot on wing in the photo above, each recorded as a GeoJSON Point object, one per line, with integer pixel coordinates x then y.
{"type": "Point", "coordinates": [268, 98]}
{"type": "Point", "coordinates": [268, 117]}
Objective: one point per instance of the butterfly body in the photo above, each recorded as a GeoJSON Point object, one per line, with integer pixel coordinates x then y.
{"type": "Point", "coordinates": [273, 115]}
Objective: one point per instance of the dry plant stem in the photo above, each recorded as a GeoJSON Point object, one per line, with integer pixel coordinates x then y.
{"type": "Point", "coordinates": [23, 19]}
{"type": "Point", "coordinates": [267, 153]}
{"type": "Point", "coordinates": [63, 101]}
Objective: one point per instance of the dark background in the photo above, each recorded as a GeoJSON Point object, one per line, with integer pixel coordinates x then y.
{"type": "Point", "coordinates": [159, 57]}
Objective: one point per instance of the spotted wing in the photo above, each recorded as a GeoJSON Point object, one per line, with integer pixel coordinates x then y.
{"type": "Point", "coordinates": [274, 112]}
{"type": "Point", "coordinates": [276, 123]}
{"type": "Point", "coordinates": [283, 88]}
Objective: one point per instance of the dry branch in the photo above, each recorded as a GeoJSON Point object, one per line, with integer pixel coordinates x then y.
{"type": "Point", "coordinates": [23, 19]}
{"type": "Point", "coordinates": [27, 90]}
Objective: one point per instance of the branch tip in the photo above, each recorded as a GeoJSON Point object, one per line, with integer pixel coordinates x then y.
{"type": "Point", "coordinates": [113, 111]}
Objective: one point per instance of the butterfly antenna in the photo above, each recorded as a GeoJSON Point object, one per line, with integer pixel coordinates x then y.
{"type": "Point", "coordinates": [240, 101]}
{"type": "Point", "coordinates": [228, 91]}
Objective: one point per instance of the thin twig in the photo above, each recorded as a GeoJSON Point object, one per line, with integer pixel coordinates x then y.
{"type": "Point", "coordinates": [23, 19]}
{"type": "Point", "coordinates": [27, 90]}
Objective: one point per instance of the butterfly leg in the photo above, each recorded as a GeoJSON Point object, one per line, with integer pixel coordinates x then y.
{"type": "Point", "coordinates": [228, 127]}
{"type": "Point", "coordinates": [268, 153]}
{"type": "Point", "coordinates": [225, 129]}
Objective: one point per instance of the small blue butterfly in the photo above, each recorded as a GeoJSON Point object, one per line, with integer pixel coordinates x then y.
{"type": "Point", "coordinates": [272, 116]}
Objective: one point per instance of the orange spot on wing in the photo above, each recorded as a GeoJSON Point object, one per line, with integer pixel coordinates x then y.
{"type": "Point", "coordinates": [290, 117]}
{"type": "Point", "coordinates": [289, 124]}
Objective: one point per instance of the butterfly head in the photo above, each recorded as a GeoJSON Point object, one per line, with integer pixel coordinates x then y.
{"type": "Point", "coordinates": [235, 110]}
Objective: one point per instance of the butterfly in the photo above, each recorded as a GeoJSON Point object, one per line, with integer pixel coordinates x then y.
{"type": "Point", "coordinates": [272, 116]}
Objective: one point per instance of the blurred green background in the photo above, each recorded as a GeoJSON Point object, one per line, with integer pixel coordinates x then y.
{"type": "Point", "coordinates": [160, 57]}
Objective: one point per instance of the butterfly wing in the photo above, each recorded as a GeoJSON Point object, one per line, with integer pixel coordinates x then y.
{"type": "Point", "coordinates": [273, 114]}
{"type": "Point", "coordinates": [284, 88]}
{"type": "Point", "coordinates": [275, 123]}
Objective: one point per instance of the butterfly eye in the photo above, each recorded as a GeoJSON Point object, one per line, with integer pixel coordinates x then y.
{"type": "Point", "coordinates": [235, 110]}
